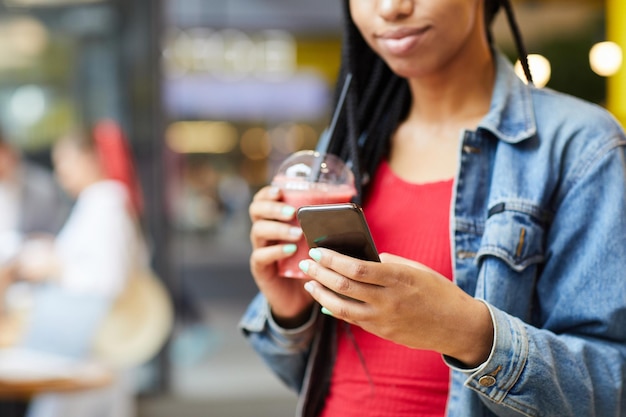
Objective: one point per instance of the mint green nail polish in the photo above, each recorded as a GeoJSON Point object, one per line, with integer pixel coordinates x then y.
{"type": "Point", "coordinates": [304, 266]}
{"type": "Point", "coordinates": [295, 231]}
{"type": "Point", "coordinates": [288, 211]}
{"type": "Point", "coordinates": [274, 192]}
{"type": "Point", "coordinates": [315, 254]}
{"type": "Point", "coordinates": [289, 248]}
{"type": "Point", "coordinates": [326, 311]}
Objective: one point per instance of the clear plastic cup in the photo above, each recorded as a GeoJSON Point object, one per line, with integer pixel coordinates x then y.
{"type": "Point", "coordinates": [309, 178]}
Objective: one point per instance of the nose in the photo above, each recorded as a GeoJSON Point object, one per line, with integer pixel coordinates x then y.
{"type": "Point", "coordinates": [395, 9]}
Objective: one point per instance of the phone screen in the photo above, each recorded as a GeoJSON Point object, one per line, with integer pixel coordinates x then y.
{"type": "Point", "coordinates": [340, 227]}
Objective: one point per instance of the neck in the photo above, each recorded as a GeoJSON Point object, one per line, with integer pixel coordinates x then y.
{"type": "Point", "coordinates": [460, 93]}
{"type": "Point", "coordinates": [89, 179]}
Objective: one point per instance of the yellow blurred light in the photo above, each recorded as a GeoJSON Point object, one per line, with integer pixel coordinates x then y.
{"type": "Point", "coordinates": [310, 136]}
{"type": "Point", "coordinates": [606, 58]}
{"type": "Point", "coordinates": [22, 40]}
{"type": "Point", "coordinates": [615, 13]}
{"type": "Point", "coordinates": [292, 137]}
{"type": "Point", "coordinates": [256, 144]}
{"type": "Point", "coordinates": [286, 138]}
{"type": "Point", "coordinates": [28, 35]}
{"type": "Point", "coordinates": [201, 137]}
{"type": "Point", "coordinates": [540, 69]}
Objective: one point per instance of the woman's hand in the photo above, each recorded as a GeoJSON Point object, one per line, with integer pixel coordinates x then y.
{"type": "Point", "coordinates": [8, 274]}
{"type": "Point", "coordinates": [274, 239]}
{"type": "Point", "coordinates": [402, 301]}
{"type": "Point", "coordinates": [37, 260]}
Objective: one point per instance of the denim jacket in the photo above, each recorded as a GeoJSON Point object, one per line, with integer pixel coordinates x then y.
{"type": "Point", "coordinates": [538, 229]}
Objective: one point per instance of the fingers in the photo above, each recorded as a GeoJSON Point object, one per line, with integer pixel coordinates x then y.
{"type": "Point", "coordinates": [267, 255]}
{"type": "Point", "coordinates": [267, 193]}
{"type": "Point", "coordinates": [341, 307]}
{"type": "Point", "coordinates": [266, 205]}
{"type": "Point", "coordinates": [340, 276]}
{"type": "Point", "coordinates": [264, 231]}
{"type": "Point", "coordinates": [390, 258]}
{"type": "Point", "coordinates": [270, 219]}
{"type": "Point", "coordinates": [394, 259]}
{"type": "Point", "coordinates": [364, 272]}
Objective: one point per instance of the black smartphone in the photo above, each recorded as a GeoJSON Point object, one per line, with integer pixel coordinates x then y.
{"type": "Point", "coordinates": [340, 227]}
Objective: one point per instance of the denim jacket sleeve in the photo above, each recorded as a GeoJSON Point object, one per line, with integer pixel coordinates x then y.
{"type": "Point", "coordinates": [285, 351]}
{"type": "Point", "coordinates": [572, 360]}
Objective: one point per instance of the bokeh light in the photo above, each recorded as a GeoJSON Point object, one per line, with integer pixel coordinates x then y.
{"type": "Point", "coordinates": [256, 144]}
{"type": "Point", "coordinates": [540, 69]}
{"type": "Point", "coordinates": [201, 137]}
{"type": "Point", "coordinates": [606, 58]}
{"type": "Point", "coordinates": [28, 105]}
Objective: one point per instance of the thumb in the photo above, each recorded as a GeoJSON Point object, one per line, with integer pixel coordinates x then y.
{"type": "Point", "coordinates": [389, 258]}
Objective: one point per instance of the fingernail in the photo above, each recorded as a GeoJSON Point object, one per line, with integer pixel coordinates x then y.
{"type": "Point", "coordinates": [288, 211]}
{"type": "Point", "coordinates": [315, 254]}
{"type": "Point", "coordinates": [308, 286]}
{"type": "Point", "coordinates": [289, 248]}
{"type": "Point", "coordinates": [326, 311]}
{"type": "Point", "coordinates": [274, 191]}
{"type": "Point", "coordinates": [295, 231]}
{"type": "Point", "coordinates": [304, 266]}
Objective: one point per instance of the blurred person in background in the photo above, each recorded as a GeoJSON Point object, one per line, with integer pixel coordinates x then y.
{"type": "Point", "coordinates": [30, 200]}
{"type": "Point", "coordinates": [31, 204]}
{"type": "Point", "coordinates": [86, 267]}
{"type": "Point", "coordinates": [499, 210]}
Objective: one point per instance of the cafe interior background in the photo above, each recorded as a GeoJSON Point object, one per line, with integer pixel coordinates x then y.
{"type": "Point", "coordinates": [212, 95]}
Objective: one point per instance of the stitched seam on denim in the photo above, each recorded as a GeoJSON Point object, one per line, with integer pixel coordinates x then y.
{"type": "Point", "coordinates": [467, 226]}
{"type": "Point", "coordinates": [509, 258]}
{"type": "Point", "coordinates": [585, 165]}
{"type": "Point", "coordinates": [522, 206]}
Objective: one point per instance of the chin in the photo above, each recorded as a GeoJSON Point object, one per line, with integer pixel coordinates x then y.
{"type": "Point", "coordinates": [408, 71]}
{"type": "Point", "coordinates": [412, 69]}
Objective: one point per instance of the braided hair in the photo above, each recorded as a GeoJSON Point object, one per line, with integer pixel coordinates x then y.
{"type": "Point", "coordinates": [378, 99]}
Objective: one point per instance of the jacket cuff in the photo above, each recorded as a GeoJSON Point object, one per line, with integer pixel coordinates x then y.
{"type": "Point", "coordinates": [499, 373]}
{"type": "Point", "coordinates": [258, 319]}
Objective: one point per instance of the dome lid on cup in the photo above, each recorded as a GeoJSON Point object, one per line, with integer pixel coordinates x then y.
{"type": "Point", "coordinates": [312, 166]}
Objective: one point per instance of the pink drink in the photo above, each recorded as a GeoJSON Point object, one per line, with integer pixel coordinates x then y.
{"type": "Point", "coordinates": [309, 178]}
{"type": "Point", "coordinates": [318, 194]}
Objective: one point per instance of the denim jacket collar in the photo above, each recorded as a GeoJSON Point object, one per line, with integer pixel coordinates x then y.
{"type": "Point", "coordinates": [505, 120]}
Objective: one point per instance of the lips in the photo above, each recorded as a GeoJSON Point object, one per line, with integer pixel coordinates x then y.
{"type": "Point", "coordinates": [401, 41]}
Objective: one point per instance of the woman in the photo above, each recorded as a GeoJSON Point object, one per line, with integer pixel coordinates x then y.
{"type": "Point", "coordinates": [96, 250]}
{"type": "Point", "coordinates": [87, 266]}
{"type": "Point", "coordinates": [499, 209]}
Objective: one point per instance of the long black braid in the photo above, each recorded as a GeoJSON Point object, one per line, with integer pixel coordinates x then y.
{"type": "Point", "coordinates": [517, 36]}
{"type": "Point", "coordinates": [376, 102]}
{"type": "Point", "coordinates": [379, 100]}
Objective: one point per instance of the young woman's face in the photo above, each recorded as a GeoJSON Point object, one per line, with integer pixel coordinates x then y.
{"type": "Point", "coordinates": [74, 168]}
{"type": "Point", "coordinates": [419, 37]}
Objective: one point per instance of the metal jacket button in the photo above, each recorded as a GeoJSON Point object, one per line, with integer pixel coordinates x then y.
{"type": "Point", "coordinates": [487, 381]}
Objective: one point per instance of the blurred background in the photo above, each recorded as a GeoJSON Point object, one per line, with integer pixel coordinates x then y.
{"type": "Point", "coordinates": [212, 95]}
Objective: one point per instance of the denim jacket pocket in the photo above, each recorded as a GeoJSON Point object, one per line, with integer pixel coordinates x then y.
{"type": "Point", "coordinates": [514, 233]}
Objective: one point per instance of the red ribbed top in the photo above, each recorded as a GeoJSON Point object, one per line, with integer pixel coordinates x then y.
{"type": "Point", "coordinates": [409, 220]}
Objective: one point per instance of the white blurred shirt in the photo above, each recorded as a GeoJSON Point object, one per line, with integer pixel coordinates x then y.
{"type": "Point", "coordinates": [99, 246]}
{"type": "Point", "coordinates": [9, 219]}
{"type": "Point", "coordinates": [9, 206]}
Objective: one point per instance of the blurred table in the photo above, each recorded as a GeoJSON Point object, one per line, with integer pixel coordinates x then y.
{"type": "Point", "coordinates": [24, 373]}
{"type": "Point", "coordinates": [10, 324]}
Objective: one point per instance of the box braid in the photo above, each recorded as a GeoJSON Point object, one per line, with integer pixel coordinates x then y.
{"type": "Point", "coordinates": [378, 99]}
{"type": "Point", "coordinates": [376, 103]}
